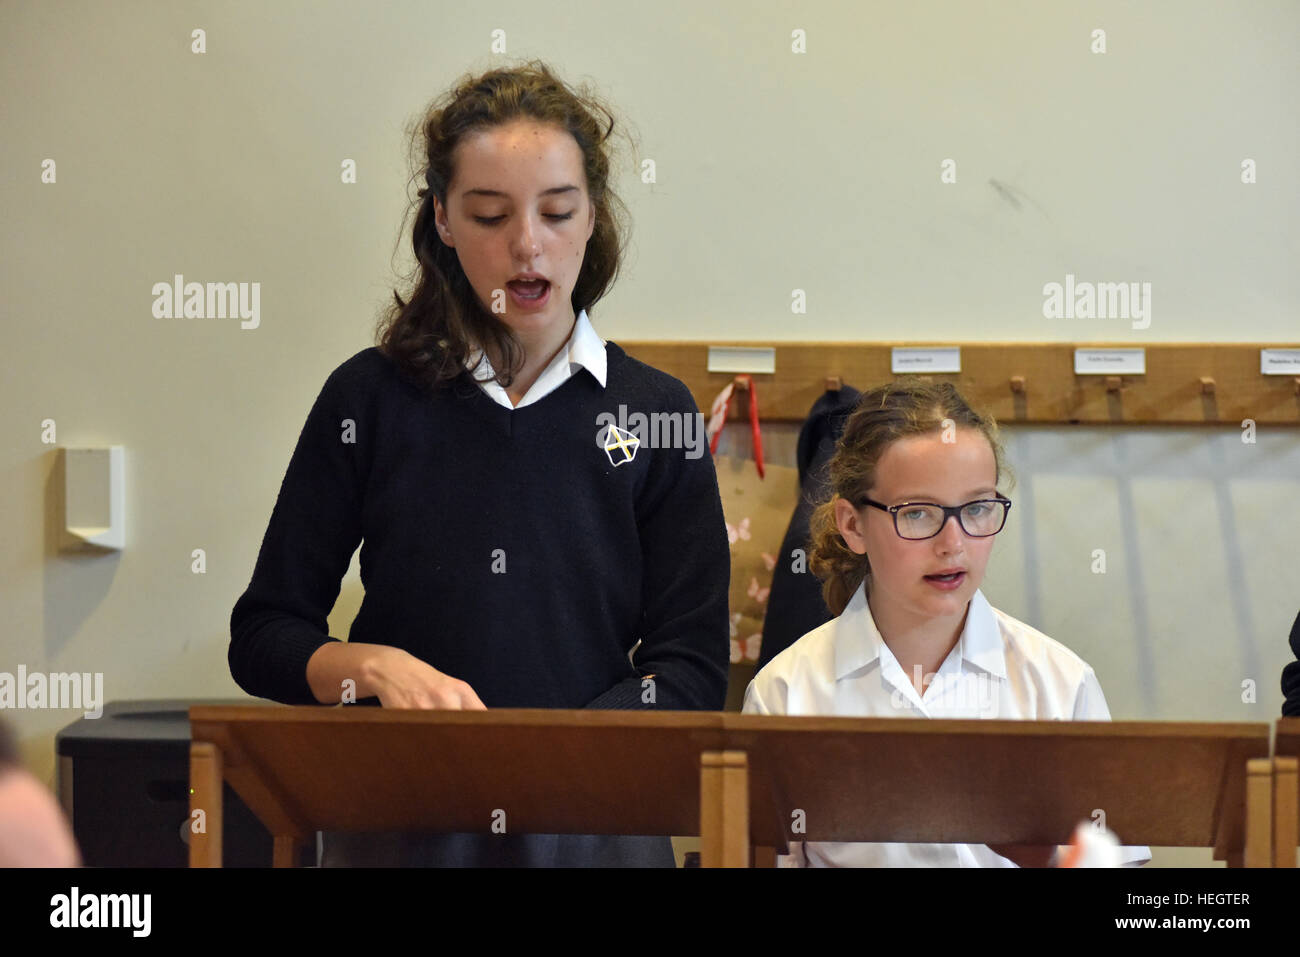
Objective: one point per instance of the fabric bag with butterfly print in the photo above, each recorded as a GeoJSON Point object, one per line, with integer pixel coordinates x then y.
{"type": "Point", "coordinates": [757, 511]}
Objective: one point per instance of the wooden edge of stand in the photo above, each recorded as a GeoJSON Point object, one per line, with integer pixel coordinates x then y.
{"type": "Point", "coordinates": [256, 789]}
{"type": "Point", "coordinates": [205, 804]}
{"type": "Point", "coordinates": [724, 809]}
{"type": "Point", "coordinates": [1286, 810]}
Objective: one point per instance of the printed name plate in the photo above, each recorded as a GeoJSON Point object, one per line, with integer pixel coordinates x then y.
{"type": "Point", "coordinates": [1110, 362]}
{"type": "Point", "coordinates": [1279, 361]}
{"type": "Point", "coordinates": [905, 360]}
{"type": "Point", "coordinates": [737, 359]}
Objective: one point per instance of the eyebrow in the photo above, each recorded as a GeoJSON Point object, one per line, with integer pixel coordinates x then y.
{"type": "Point", "coordinates": [975, 494]}
{"type": "Point", "coordinates": [553, 191]}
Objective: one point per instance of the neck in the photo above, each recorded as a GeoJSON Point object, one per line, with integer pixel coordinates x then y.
{"type": "Point", "coordinates": [539, 349]}
{"type": "Point", "coordinates": [912, 638]}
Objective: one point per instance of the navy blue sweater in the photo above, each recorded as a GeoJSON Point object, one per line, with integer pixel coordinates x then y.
{"type": "Point", "coordinates": [500, 546]}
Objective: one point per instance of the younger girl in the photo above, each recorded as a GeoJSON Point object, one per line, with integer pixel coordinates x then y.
{"type": "Point", "coordinates": [901, 548]}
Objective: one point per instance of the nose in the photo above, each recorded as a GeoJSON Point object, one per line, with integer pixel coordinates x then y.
{"type": "Point", "coordinates": [951, 537]}
{"type": "Point", "coordinates": [525, 245]}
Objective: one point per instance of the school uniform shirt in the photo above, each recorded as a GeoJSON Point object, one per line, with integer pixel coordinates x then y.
{"type": "Point", "coordinates": [503, 545]}
{"type": "Point", "coordinates": [1000, 668]}
{"type": "Point", "coordinates": [583, 350]}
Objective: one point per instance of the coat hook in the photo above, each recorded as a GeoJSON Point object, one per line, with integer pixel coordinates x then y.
{"type": "Point", "coordinates": [1207, 385]}
{"type": "Point", "coordinates": [1018, 384]}
{"type": "Point", "coordinates": [1113, 383]}
{"type": "Point", "coordinates": [740, 382]}
{"type": "Point", "coordinates": [1296, 383]}
{"type": "Point", "coordinates": [833, 383]}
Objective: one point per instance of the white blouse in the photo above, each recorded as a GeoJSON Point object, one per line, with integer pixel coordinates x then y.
{"type": "Point", "coordinates": [1000, 668]}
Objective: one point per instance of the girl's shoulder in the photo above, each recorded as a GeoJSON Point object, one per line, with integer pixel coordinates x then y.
{"type": "Point", "coordinates": [1027, 648]}
{"type": "Point", "coordinates": [372, 375]}
{"type": "Point", "coordinates": [806, 665]}
{"type": "Point", "coordinates": [363, 368]}
{"type": "Point", "coordinates": [627, 374]}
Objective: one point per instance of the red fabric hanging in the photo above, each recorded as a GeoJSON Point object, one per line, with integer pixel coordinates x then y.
{"type": "Point", "coordinates": [718, 418]}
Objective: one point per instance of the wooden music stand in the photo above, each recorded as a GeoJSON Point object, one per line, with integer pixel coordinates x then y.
{"type": "Point", "coordinates": [1286, 792]}
{"type": "Point", "coordinates": [303, 769]}
{"type": "Point", "coordinates": [1006, 782]}
{"type": "Point", "coordinates": [731, 778]}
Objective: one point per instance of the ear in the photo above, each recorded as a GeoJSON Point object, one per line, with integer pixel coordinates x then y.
{"type": "Point", "coordinates": [591, 219]}
{"type": "Point", "coordinates": [440, 223]}
{"type": "Point", "coordinates": [851, 525]}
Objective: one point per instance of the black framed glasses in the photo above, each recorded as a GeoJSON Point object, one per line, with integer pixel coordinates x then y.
{"type": "Point", "coordinates": [919, 520]}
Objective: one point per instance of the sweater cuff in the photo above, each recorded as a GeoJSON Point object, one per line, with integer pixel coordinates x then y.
{"type": "Point", "coordinates": [275, 665]}
{"type": "Point", "coordinates": [291, 655]}
{"type": "Point", "coordinates": [624, 696]}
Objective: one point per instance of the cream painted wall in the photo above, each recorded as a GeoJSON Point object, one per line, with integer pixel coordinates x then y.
{"type": "Point", "coordinates": [774, 171]}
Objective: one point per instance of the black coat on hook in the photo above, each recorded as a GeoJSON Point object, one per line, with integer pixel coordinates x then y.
{"type": "Point", "coordinates": [1290, 675]}
{"type": "Point", "coordinates": [795, 605]}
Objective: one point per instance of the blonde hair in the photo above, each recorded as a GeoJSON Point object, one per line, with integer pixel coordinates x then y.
{"type": "Point", "coordinates": [882, 416]}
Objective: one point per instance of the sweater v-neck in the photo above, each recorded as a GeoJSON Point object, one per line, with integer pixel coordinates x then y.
{"type": "Point", "coordinates": [507, 420]}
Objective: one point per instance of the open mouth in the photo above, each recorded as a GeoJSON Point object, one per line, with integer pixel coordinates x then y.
{"type": "Point", "coordinates": [948, 581]}
{"type": "Point", "coordinates": [529, 289]}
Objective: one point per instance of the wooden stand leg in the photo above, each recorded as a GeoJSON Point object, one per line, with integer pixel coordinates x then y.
{"type": "Point", "coordinates": [1286, 810]}
{"type": "Point", "coordinates": [284, 851]}
{"type": "Point", "coordinates": [724, 809]}
{"type": "Point", "coordinates": [205, 796]}
{"type": "Point", "coordinates": [1258, 851]}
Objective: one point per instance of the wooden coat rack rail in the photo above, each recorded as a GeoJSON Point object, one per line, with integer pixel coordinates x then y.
{"type": "Point", "coordinates": [1184, 383]}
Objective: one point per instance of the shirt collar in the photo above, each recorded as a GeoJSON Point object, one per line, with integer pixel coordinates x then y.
{"type": "Point", "coordinates": [584, 349]}
{"type": "Point", "coordinates": [858, 640]}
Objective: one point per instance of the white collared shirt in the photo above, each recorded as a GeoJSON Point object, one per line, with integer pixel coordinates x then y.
{"type": "Point", "coordinates": [582, 350]}
{"type": "Point", "coordinates": [1000, 668]}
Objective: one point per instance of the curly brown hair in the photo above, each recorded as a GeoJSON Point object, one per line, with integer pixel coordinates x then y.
{"type": "Point", "coordinates": [880, 417]}
{"type": "Point", "coordinates": [431, 334]}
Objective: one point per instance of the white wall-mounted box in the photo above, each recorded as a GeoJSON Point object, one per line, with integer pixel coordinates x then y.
{"type": "Point", "coordinates": [95, 497]}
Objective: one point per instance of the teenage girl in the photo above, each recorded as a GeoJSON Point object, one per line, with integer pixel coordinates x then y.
{"type": "Point", "coordinates": [513, 551]}
{"type": "Point", "coordinates": [901, 548]}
